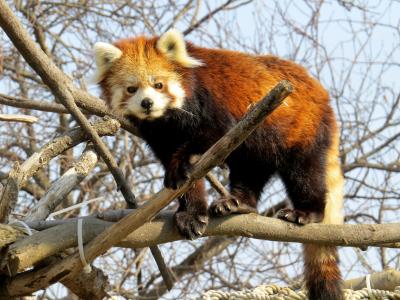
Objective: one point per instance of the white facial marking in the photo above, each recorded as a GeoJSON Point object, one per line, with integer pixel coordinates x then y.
{"type": "Point", "coordinates": [123, 103]}
{"type": "Point", "coordinates": [159, 103]}
{"type": "Point", "coordinates": [178, 92]}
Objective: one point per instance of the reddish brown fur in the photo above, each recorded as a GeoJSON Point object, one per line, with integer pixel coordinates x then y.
{"type": "Point", "coordinates": [237, 80]}
{"type": "Point", "coordinates": [298, 141]}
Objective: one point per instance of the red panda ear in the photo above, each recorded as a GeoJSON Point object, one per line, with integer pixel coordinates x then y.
{"type": "Point", "coordinates": [105, 54]}
{"type": "Point", "coordinates": [173, 46]}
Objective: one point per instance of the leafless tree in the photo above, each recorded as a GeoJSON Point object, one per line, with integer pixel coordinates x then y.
{"type": "Point", "coordinates": [352, 47]}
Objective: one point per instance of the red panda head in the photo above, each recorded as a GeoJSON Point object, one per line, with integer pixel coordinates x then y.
{"type": "Point", "coordinates": [139, 76]}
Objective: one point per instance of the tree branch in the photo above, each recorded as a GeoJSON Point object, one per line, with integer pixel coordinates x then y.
{"type": "Point", "coordinates": [387, 280]}
{"type": "Point", "coordinates": [18, 118]}
{"type": "Point", "coordinates": [21, 173]}
{"type": "Point", "coordinates": [22, 255]}
{"type": "Point", "coordinates": [63, 186]}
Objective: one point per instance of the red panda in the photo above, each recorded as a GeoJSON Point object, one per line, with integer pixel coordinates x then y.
{"type": "Point", "coordinates": [183, 98]}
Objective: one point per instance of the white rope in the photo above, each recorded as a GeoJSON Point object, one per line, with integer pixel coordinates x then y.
{"type": "Point", "coordinates": [86, 267]}
{"type": "Point", "coordinates": [274, 292]}
{"type": "Point", "coordinates": [25, 226]}
{"type": "Point", "coordinates": [368, 282]}
{"type": "Point", "coordinates": [61, 211]}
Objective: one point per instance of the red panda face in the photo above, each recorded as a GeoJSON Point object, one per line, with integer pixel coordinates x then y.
{"type": "Point", "coordinates": [143, 92]}
{"type": "Point", "coordinates": [138, 76]}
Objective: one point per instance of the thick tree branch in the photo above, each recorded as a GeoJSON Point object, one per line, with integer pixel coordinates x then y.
{"type": "Point", "coordinates": [8, 235]}
{"type": "Point", "coordinates": [387, 280]}
{"type": "Point", "coordinates": [92, 286]}
{"type": "Point", "coordinates": [22, 254]}
{"type": "Point", "coordinates": [211, 248]}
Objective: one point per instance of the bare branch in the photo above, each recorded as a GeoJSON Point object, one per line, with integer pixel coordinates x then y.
{"type": "Point", "coordinates": [20, 174]}
{"type": "Point", "coordinates": [22, 255]}
{"type": "Point", "coordinates": [18, 118]}
{"type": "Point", "coordinates": [63, 186]}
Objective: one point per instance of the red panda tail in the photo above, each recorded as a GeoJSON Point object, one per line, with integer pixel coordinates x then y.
{"type": "Point", "coordinates": [322, 274]}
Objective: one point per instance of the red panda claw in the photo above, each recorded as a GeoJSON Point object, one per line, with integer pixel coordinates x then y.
{"type": "Point", "coordinates": [298, 217]}
{"type": "Point", "coordinates": [189, 225]}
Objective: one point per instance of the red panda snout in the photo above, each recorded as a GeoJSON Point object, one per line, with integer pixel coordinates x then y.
{"type": "Point", "coordinates": [147, 103]}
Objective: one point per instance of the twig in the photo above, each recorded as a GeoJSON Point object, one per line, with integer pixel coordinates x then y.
{"type": "Point", "coordinates": [216, 184]}
{"type": "Point", "coordinates": [207, 17]}
{"type": "Point", "coordinates": [18, 118]}
{"type": "Point", "coordinates": [32, 104]}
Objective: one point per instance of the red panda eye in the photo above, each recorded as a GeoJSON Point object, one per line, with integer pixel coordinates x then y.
{"type": "Point", "coordinates": [131, 89]}
{"type": "Point", "coordinates": [158, 85]}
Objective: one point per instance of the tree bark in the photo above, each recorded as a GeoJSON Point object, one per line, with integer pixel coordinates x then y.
{"type": "Point", "coordinates": [33, 249]}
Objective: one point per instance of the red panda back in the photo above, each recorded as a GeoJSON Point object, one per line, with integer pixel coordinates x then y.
{"type": "Point", "coordinates": [236, 80]}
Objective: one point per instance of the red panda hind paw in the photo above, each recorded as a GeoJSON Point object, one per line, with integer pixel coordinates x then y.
{"type": "Point", "coordinates": [298, 216]}
{"type": "Point", "coordinates": [230, 205]}
{"type": "Point", "coordinates": [189, 225]}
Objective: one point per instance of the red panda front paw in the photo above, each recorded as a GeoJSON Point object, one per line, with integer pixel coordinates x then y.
{"type": "Point", "coordinates": [176, 175]}
{"type": "Point", "coordinates": [191, 226]}
{"type": "Point", "coordinates": [298, 216]}
{"type": "Point", "coordinates": [230, 205]}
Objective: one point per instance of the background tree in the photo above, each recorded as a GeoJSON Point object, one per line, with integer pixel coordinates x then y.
{"type": "Point", "coordinates": [353, 47]}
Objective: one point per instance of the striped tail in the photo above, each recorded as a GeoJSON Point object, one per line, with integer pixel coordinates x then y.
{"type": "Point", "coordinates": [322, 274]}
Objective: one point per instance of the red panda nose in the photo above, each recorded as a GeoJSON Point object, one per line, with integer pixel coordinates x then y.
{"type": "Point", "coordinates": [146, 103]}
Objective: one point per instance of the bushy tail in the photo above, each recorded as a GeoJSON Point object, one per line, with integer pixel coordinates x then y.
{"type": "Point", "coordinates": [322, 274]}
